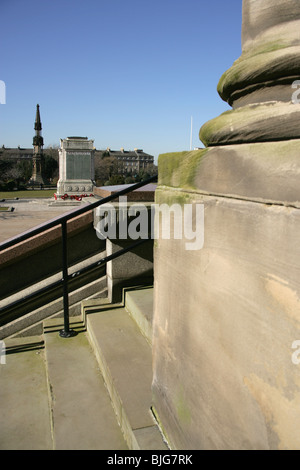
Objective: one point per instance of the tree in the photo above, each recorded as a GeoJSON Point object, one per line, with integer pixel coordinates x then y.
{"type": "Point", "coordinates": [25, 169]}
{"type": "Point", "coordinates": [146, 173]}
{"type": "Point", "coordinates": [5, 167]}
{"type": "Point", "coordinates": [105, 168]}
{"type": "Point", "coordinates": [115, 180]}
{"type": "Point", "coordinates": [50, 167]}
{"type": "Point", "coordinates": [52, 151]}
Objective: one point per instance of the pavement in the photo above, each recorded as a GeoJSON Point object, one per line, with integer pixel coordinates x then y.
{"type": "Point", "coordinates": [29, 213]}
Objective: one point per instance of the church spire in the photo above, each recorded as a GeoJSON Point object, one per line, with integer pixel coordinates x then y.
{"type": "Point", "coordinates": [37, 157]}
{"type": "Point", "coordinates": [38, 140]}
{"type": "Point", "coordinates": [38, 124]}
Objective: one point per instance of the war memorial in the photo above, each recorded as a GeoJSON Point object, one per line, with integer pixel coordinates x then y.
{"type": "Point", "coordinates": [199, 348]}
{"type": "Point", "coordinates": [76, 168]}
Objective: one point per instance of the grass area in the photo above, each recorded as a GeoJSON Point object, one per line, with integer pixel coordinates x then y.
{"type": "Point", "coordinates": [3, 209]}
{"type": "Point", "coordinates": [30, 194]}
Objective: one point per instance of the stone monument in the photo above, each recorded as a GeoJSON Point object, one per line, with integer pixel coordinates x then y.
{"type": "Point", "coordinates": [76, 168]}
{"type": "Point", "coordinates": [37, 177]}
{"type": "Point", "coordinates": [226, 324]}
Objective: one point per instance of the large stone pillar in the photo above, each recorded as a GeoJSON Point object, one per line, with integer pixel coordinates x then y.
{"type": "Point", "coordinates": [259, 84]}
{"type": "Point", "coordinates": [227, 317]}
{"type": "Point", "coordinates": [262, 87]}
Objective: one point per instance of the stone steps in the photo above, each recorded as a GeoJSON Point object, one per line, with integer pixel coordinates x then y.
{"type": "Point", "coordinates": [91, 391]}
{"type": "Point", "coordinates": [24, 406]}
{"type": "Point", "coordinates": [52, 394]}
{"type": "Point", "coordinates": [121, 339]}
{"type": "Point", "coordinates": [125, 358]}
{"type": "Point", "coordinates": [139, 304]}
{"type": "Point", "coordinates": [81, 412]}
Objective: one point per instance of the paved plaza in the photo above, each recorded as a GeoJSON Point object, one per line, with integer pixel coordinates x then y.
{"type": "Point", "coordinates": [28, 213]}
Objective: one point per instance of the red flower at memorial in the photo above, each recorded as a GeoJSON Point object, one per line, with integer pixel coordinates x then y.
{"type": "Point", "coordinates": [72, 197]}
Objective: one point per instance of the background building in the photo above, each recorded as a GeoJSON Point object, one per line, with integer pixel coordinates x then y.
{"type": "Point", "coordinates": [130, 161]}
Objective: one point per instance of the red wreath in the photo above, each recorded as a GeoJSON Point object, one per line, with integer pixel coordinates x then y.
{"type": "Point", "coordinates": [77, 198]}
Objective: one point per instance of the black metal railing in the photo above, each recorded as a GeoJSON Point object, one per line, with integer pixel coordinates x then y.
{"type": "Point", "coordinates": [62, 221]}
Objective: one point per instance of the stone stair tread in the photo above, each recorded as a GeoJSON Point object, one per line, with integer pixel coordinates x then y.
{"type": "Point", "coordinates": [24, 405]}
{"type": "Point", "coordinates": [129, 360]}
{"type": "Point", "coordinates": [139, 304]}
{"type": "Point", "coordinates": [125, 359]}
{"type": "Point", "coordinates": [142, 298]}
{"type": "Point", "coordinates": [82, 413]}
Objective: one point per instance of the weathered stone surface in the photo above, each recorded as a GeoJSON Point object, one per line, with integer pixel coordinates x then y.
{"type": "Point", "coordinates": [226, 315]}
{"type": "Point", "coordinates": [270, 46]}
{"type": "Point", "coordinates": [264, 19]}
{"type": "Point", "coordinates": [225, 320]}
{"type": "Point", "coordinates": [263, 172]}
{"type": "Point", "coordinates": [264, 123]}
{"type": "Point", "coordinates": [133, 267]}
{"type": "Point", "coordinates": [251, 72]}
{"type": "Point", "coordinates": [259, 85]}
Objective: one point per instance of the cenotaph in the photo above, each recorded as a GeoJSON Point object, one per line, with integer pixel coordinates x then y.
{"type": "Point", "coordinates": [76, 168]}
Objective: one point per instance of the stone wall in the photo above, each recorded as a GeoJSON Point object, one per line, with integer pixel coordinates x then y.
{"type": "Point", "coordinates": [226, 316]}
{"type": "Point", "coordinates": [225, 320]}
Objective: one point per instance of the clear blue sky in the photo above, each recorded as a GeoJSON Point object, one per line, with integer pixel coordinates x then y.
{"type": "Point", "coordinates": [126, 73]}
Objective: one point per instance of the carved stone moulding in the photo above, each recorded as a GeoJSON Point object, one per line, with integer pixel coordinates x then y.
{"type": "Point", "coordinates": [260, 85]}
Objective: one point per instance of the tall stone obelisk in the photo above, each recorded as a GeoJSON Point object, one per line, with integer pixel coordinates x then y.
{"type": "Point", "coordinates": [226, 327]}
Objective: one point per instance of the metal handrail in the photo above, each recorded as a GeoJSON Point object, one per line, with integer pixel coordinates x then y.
{"type": "Point", "coordinates": [15, 304]}
{"type": "Point", "coordinates": [62, 220]}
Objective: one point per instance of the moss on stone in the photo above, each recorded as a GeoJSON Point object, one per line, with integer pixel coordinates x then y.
{"type": "Point", "coordinates": [265, 62]}
{"type": "Point", "coordinates": [179, 169]}
{"type": "Point", "coordinates": [252, 123]}
{"type": "Point", "coordinates": [172, 197]}
{"type": "Point", "coordinates": [214, 126]}
{"type": "Point", "coordinates": [182, 408]}
{"type": "Point", "coordinates": [264, 47]}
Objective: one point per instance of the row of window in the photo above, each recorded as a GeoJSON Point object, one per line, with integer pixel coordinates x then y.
{"type": "Point", "coordinates": [141, 160]}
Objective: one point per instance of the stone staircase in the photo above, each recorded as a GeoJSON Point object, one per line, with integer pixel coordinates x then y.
{"type": "Point", "coordinates": [88, 392]}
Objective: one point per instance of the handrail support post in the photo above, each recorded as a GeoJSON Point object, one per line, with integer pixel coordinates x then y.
{"type": "Point", "coordinates": [66, 332]}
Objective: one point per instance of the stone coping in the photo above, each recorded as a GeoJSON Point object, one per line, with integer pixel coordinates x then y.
{"type": "Point", "coordinates": [266, 172]}
{"type": "Point", "coordinates": [43, 239]}
{"type": "Point", "coordinates": [146, 193]}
